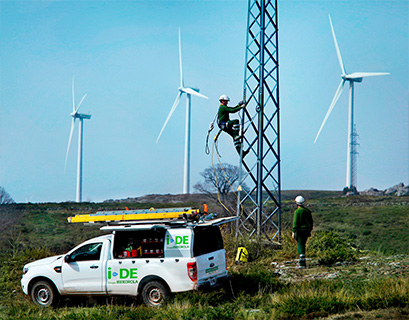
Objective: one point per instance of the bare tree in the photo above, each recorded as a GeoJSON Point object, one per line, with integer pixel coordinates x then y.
{"type": "Point", "coordinates": [220, 181]}
{"type": "Point", "coordinates": [5, 198]}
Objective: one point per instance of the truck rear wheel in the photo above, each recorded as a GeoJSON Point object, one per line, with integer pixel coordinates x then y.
{"type": "Point", "coordinates": [154, 293]}
{"type": "Point", "coordinates": [43, 294]}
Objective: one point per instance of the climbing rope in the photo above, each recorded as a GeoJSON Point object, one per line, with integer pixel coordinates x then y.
{"type": "Point", "coordinates": [224, 173]}
{"type": "Point", "coordinates": [217, 180]}
{"type": "Point", "coordinates": [211, 127]}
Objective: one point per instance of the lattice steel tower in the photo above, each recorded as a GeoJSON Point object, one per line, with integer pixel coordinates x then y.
{"type": "Point", "coordinates": [354, 161]}
{"type": "Point", "coordinates": [259, 204]}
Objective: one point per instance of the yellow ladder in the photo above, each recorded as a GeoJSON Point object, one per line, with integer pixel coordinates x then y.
{"type": "Point", "coordinates": [132, 215]}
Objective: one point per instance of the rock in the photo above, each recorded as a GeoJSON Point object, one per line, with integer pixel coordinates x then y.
{"type": "Point", "coordinates": [365, 258]}
{"type": "Point", "coordinates": [393, 190]}
{"type": "Point", "coordinates": [372, 192]}
{"type": "Point", "coordinates": [404, 191]}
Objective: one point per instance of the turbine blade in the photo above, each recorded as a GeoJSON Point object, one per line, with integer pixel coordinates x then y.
{"type": "Point", "coordinates": [193, 92]}
{"type": "Point", "coordinates": [357, 75]}
{"type": "Point", "coordinates": [180, 61]}
{"type": "Point", "coordinates": [334, 101]}
{"type": "Point", "coordinates": [341, 64]}
{"type": "Point", "coordinates": [79, 105]}
{"type": "Point", "coordinates": [175, 104]}
{"type": "Point", "coordinates": [73, 97]}
{"type": "Point", "coordinates": [69, 143]}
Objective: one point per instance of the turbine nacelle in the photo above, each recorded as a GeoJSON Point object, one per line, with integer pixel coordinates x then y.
{"type": "Point", "coordinates": [183, 89]}
{"type": "Point", "coordinates": [192, 91]}
{"type": "Point", "coordinates": [77, 115]}
{"type": "Point", "coordinates": [347, 77]}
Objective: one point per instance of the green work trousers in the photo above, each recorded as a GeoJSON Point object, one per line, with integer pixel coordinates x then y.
{"type": "Point", "coordinates": [302, 237]}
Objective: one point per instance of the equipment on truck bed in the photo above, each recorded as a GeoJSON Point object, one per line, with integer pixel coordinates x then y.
{"type": "Point", "coordinates": [144, 215]}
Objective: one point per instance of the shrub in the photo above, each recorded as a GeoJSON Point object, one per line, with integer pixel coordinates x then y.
{"type": "Point", "coordinates": [11, 268]}
{"type": "Point", "coordinates": [331, 248]}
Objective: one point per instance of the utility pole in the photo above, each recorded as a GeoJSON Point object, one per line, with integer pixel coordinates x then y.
{"type": "Point", "coordinates": [259, 204]}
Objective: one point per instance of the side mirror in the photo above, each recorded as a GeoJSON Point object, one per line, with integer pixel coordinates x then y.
{"type": "Point", "coordinates": [67, 258]}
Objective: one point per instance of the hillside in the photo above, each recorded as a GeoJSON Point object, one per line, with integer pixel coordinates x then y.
{"type": "Point", "coordinates": [358, 263]}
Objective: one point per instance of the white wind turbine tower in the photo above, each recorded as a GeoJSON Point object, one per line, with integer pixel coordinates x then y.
{"type": "Point", "coordinates": [189, 92]}
{"type": "Point", "coordinates": [75, 115]}
{"type": "Point", "coordinates": [351, 78]}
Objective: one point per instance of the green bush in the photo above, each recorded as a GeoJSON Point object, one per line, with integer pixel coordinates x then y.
{"type": "Point", "coordinates": [330, 248]}
{"type": "Point", "coordinates": [11, 271]}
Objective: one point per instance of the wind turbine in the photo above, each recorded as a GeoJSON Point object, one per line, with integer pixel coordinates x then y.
{"type": "Point", "coordinates": [351, 78]}
{"type": "Point", "coordinates": [189, 92]}
{"type": "Point", "coordinates": [75, 115]}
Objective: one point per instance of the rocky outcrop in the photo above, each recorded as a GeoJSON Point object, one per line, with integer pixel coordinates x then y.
{"type": "Point", "coordinates": [397, 190]}
{"type": "Point", "coordinates": [372, 192]}
{"type": "Point", "coordinates": [393, 190]}
{"type": "Point", "coordinates": [404, 191]}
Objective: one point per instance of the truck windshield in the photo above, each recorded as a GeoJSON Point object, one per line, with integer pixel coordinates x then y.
{"type": "Point", "coordinates": [207, 239]}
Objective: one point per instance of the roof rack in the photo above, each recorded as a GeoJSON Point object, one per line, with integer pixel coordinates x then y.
{"type": "Point", "coordinates": [150, 224]}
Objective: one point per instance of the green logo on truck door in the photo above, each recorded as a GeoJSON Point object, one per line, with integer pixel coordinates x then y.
{"type": "Point", "coordinates": [177, 242]}
{"type": "Point", "coordinates": [125, 276]}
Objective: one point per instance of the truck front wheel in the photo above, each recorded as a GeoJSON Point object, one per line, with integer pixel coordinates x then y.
{"type": "Point", "coordinates": [43, 294]}
{"type": "Point", "coordinates": [154, 294]}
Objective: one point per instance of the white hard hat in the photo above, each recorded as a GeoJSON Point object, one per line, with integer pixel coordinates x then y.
{"type": "Point", "coordinates": [299, 200]}
{"type": "Point", "coordinates": [224, 97]}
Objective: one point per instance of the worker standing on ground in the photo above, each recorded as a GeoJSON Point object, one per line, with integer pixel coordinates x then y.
{"type": "Point", "coordinates": [232, 127]}
{"type": "Point", "coordinates": [302, 227]}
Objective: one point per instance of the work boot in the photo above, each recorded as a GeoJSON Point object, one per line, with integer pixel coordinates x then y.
{"type": "Point", "coordinates": [302, 264]}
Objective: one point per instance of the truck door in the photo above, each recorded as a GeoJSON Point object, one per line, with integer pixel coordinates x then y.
{"type": "Point", "coordinates": [209, 253]}
{"type": "Point", "coordinates": [83, 269]}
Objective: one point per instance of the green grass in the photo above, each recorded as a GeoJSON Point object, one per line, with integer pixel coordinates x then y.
{"type": "Point", "coordinates": [254, 293]}
{"type": "Point", "coordinates": [345, 230]}
{"type": "Point", "coordinates": [371, 223]}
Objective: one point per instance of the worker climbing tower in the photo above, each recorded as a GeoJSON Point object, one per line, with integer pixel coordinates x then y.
{"type": "Point", "coordinates": [259, 204]}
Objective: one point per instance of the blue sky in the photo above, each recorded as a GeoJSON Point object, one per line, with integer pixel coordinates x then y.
{"type": "Point", "coordinates": [124, 55]}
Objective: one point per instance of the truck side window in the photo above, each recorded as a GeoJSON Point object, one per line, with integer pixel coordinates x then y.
{"type": "Point", "coordinates": [127, 245]}
{"type": "Point", "coordinates": [87, 252]}
{"type": "Point", "coordinates": [139, 244]}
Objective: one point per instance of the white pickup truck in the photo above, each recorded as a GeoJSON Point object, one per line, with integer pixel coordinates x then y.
{"type": "Point", "coordinates": [150, 260]}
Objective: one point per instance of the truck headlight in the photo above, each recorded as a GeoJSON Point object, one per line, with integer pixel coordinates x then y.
{"type": "Point", "coordinates": [25, 270]}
